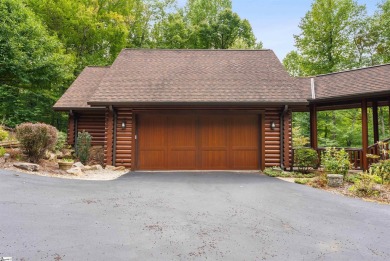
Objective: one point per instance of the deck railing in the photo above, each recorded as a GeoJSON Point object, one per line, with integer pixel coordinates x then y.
{"type": "Point", "coordinates": [355, 154]}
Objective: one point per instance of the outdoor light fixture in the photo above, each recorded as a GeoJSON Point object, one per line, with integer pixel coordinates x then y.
{"type": "Point", "coordinates": [273, 125]}
{"type": "Point", "coordinates": [123, 125]}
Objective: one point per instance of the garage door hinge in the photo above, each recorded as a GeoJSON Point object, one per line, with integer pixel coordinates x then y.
{"type": "Point", "coordinates": [135, 137]}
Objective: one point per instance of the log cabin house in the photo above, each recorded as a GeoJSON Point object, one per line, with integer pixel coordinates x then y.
{"type": "Point", "coordinates": [209, 109]}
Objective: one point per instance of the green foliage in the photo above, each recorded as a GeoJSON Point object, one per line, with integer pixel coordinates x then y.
{"type": "Point", "coordinates": [83, 145]}
{"type": "Point", "coordinates": [365, 186]}
{"type": "Point", "coordinates": [325, 45]}
{"type": "Point", "coordinates": [320, 181]}
{"type": "Point", "coordinates": [66, 160]}
{"type": "Point", "coordinates": [61, 141]}
{"type": "Point", "coordinates": [302, 181]}
{"type": "Point", "coordinates": [277, 172]}
{"type": "Point", "coordinates": [336, 161]}
{"type": "Point", "coordinates": [3, 134]}
{"type": "Point", "coordinates": [381, 169]}
{"type": "Point", "coordinates": [35, 139]}
{"type": "Point", "coordinates": [2, 151]}
{"type": "Point", "coordinates": [33, 68]}
{"type": "Point", "coordinates": [305, 158]}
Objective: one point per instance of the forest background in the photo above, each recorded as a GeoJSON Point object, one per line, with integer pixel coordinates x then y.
{"type": "Point", "coordinates": [45, 44]}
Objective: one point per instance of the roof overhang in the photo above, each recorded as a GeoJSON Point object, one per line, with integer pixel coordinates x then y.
{"type": "Point", "coordinates": [228, 103]}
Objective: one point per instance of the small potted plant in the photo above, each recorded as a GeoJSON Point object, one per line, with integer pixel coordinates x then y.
{"type": "Point", "coordinates": [65, 163]}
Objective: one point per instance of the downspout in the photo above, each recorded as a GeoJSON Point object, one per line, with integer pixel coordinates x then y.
{"type": "Point", "coordinates": [114, 141]}
{"type": "Point", "coordinates": [282, 136]}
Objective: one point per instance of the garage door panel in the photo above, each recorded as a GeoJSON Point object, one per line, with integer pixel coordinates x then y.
{"type": "Point", "coordinates": [214, 159]}
{"type": "Point", "coordinates": [213, 131]}
{"type": "Point", "coordinates": [245, 159]}
{"type": "Point", "coordinates": [182, 159]}
{"type": "Point", "coordinates": [154, 132]}
{"type": "Point", "coordinates": [182, 132]}
{"type": "Point", "coordinates": [153, 159]}
{"type": "Point", "coordinates": [195, 141]}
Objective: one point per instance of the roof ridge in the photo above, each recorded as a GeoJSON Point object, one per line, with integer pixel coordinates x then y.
{"type": "Point", "coordinates": [350, 70]}
{"type": "Point", "coordinates": [219, 50]}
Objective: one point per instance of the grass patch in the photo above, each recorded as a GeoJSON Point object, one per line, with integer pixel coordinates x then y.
{"type": "Point", "coordinates": [277, 172]}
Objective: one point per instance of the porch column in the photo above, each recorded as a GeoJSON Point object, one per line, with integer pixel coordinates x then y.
{"type": "Point", "coordinates": [313, 127]}
{"type": "Point", "coordinates": [364, 134]}
{"type": "Point", "coordinates": [375, 120]}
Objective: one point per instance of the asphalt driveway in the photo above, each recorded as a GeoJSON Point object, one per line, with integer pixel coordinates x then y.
{"type": "Point", "coordinates": [185, 216]}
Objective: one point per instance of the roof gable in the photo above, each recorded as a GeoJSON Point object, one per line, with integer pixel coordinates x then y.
{"type": "Point", "coordinates": [81, 90]}
{"type": "Point", "coordinates": [196, 76]}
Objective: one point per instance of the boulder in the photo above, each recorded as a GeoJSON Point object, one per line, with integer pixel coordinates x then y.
{"type": "Point", "coordinates": [110, 167]}
{"type": "Point", "coordinates": [97, 167]}
{"type": "Point", "coordinates": [75, 171]}
{"type": "Point", "coordinates": [86, 168]}
{"type": "Point", "coordinates": [335, 180]}
{"type": "Point", "coordinates": [78, 165]}
{"type": "Point", "coordinates": [27, 166]}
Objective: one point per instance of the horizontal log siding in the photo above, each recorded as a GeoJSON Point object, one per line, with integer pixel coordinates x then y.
{"type": "Point", "coordinates": [93, 123]}
{"type": "Point", "coordinates": [71, 128]}
{"type": "Point", "coordinates": [124, 138]}
{"type": "Point", "coordinates": [272, 138]}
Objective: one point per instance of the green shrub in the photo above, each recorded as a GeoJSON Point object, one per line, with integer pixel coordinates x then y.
{"type": "Point", "coordinates": [2, 151]}
{"type": "Point", "coordinates": [3, 134]}
{"type": "Point", "coordinates": [35, 139]}
{"type": "Point", "coordinates": [83, 145]}
{"type": "Point", "coordinates": [61, 141]}
{"type": "Point", "coordinates": [381, 169]}
{"type": "Point", "coordinates": [364, 187]}
{"type": "Point", "coordinates": [305, 158]}
{"type": "Point", "coordinates": [352, 178]}
{"type": "Point", "coordinates": [302, 181]}
{"type": "Point", "coordinates": [278, 172]}
{"type": "Point", "coordinates": [320, 181]}
{"type": "Point", "coordinates": [336, 161]}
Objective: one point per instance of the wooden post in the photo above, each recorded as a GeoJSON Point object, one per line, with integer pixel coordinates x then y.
{"type": "Point", "coordinates": [375, 121]}
{"type": "Point", "coordinates": [287, 139]}
{"type": "Point", "coordinates": [109, 136]}
{"type": "Point", "coordinates": [364, 134]}
{"type": "Point", "coordinates": [313, 127]}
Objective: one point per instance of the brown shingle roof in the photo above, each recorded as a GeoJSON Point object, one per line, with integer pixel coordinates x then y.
{"type": "Point", "coordinates": [197, 76]}
{"type": "Point", "coordinates": [81, 90]}
{"type": "Point", "coordinates": [354, 83]}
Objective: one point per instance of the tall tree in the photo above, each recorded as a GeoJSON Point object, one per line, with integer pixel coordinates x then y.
{"type": "Point", "coordinates": [382, 25]}
{"type": "Point", "coordinates": [93, 30]}
{"type": "Point", "coordinates": [325, 43]}
{"type": "Point", "coordinates": [33, 66]}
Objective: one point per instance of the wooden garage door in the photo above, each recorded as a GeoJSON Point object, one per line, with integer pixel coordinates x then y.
{"type": "Point", "coordinates": [204, 142]}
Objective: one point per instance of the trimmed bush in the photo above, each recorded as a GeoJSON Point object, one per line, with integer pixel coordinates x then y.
{"type": "Point", "coordinates": [35, 139]}
{"type": "Point", "coordinates": [336, 161]}
{"type": "Point", "coordinates": [83, 146]}
{"type": "Point", "coordinates": [381, 169]}
{"type": "Point", "coordinates": [2, 151]}
{"type": "Point", "coordinates": [3, 134]}
{"type": "Point", "coordinates": [305, 158]}
{"type": "Point", "coordinates": [365, 186]}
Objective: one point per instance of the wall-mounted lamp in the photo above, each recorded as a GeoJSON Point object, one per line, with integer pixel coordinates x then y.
{"type": "Point", "coordinates": [123, 125]}
{"type": "Point", "coordinates": [273, 125]}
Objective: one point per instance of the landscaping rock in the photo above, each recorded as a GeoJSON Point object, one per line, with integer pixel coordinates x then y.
{"type": "Point", "coordinates": [86, 168]}
{"type": "Point", "coordinates": [97, 167]}
{"type": "Point", "coordinates": [75, 171]}
{"type": "Point", "coordinates": [109, 167]}
{"type": "Point", "coordinates": [78, 165]}
{"type": "Point", "coordinates": [335, 180]}
{"type": "Point", "coordinates": [27, 166]}
{"type": "Point", "coordinates": [119, 168]}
